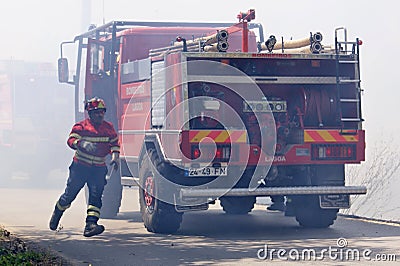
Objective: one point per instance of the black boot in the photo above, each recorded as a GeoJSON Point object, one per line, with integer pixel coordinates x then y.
{"type": "Point", "coordinates": [92, 229]}
{"type": "Point", "coordinates": [55, 218]}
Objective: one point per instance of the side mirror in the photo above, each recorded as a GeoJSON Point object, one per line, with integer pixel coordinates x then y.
{"type": "Point", "coordinates": [63, 70]}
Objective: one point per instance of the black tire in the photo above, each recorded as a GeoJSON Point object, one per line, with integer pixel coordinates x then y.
{"type": "Point", "coordinates": [112, 196]}
{"type": "Point", "coordinates": [157, 216]}
{"type": "Point", "coordinates": [310, 215]}
{"type": "Point", "coordinates": [237, 205]}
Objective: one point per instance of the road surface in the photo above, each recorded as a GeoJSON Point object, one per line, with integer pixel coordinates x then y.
{"type": "Point", "coordinates": [205, 238]}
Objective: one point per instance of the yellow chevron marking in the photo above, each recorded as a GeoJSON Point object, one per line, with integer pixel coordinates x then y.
{"type": "Point", "coordinates": [242, 138]}
{"type": "Point", "coordinates": [307, 137]}
{"type": "Point", "coordinates": [326, 136]}
{"type": "Point", "coordinates": [222, 137]}
{"type": "Point", "coordinates": [350, 137]}
{"type": "Point", "coordinates": [200, 135]}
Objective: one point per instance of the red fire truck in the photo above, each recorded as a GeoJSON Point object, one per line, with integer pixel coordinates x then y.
{"type": "Point", "coordinates": [35, 114]}
{"type": "Point", "coordinates": [212, 112]}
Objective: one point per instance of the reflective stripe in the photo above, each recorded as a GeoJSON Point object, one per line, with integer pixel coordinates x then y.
{"type": "Point", "coordinates": [93, 211]}
{"type": "Point", "coordinates": [114, 139]}
{"type": "Point", "coordinates": [75, 135]}
{"type": "Point", "coordinates": [75, 143]}
{"type": "Point", "coordinates": [62, 208]}
{"type": "Point", "coordinates": [93, 208]}
{"type": "Point", "coordinates": [96, 139]}
{"type": "Point", "coordinates": [218, 136]}
{"type": "Point", "coordinates": [90, 159]}
{"type": "Point", "coordinates": [80, 153]}
{"type": "Point", "coordinates": [329, 136]}
{"type": "Point", "coordinates": [115, 148]}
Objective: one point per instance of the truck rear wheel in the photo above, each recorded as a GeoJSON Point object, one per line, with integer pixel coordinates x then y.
{"type": "Point", "coordinates": [309, 214]}
{"type": "Point", "coordinates": [158, 216]}
{"type": "Point", "coordinates": [237, 205]}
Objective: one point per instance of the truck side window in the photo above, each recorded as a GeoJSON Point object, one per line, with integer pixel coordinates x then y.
{"type": "Point", "coordinates": [96, 58]}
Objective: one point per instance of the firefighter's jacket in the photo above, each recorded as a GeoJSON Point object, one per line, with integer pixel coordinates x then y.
{"type": "Point", "coordinates": [103, 135]}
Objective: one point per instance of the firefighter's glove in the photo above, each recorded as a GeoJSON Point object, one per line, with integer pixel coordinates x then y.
{"type": "Point", "coordinates": [115, 160]}
{"type": "Point", "coordinates": [87, 146]}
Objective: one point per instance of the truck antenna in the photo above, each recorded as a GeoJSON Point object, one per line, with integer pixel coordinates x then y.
{"type": "Point", "coordinates": [104, 19]}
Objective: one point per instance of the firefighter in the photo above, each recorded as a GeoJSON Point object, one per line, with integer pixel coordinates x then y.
{"type": "Point", "coordinates": [93, 139]}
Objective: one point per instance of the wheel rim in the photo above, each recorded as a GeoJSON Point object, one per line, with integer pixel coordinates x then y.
{"type": "Point", "coordinates": [149, 192]}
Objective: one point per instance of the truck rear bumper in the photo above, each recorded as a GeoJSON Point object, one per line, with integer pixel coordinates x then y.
{"type": "Point", "coordinates": [242, 192]}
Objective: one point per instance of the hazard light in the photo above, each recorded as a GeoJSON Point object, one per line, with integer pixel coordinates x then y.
{"type": "Point", "coordinates": [333, 152]}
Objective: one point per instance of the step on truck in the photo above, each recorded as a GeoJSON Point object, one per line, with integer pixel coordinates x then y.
{"type": "Point", "coordinates": [212, 112]}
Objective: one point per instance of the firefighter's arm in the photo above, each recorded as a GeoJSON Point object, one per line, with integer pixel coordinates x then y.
{"type": "Point", "coordinates": [74, 137]}
{"type": "Point", "coordinates": [75, 140]}
{"type": "Point", "coordinates": [115, 149]}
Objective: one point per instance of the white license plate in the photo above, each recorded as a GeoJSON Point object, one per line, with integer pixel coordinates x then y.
{"type": "Point", "coordinates": [334, 201]}
{"type": "Point", "coordinates": [208, 171]}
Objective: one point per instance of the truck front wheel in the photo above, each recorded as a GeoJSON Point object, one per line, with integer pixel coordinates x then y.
{"type": "Point", "coordinates": [309, 214]}
{"type": "Point", "coordinates": [158, 216]}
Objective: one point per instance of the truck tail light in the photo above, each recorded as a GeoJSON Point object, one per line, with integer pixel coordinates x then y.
{"type": "Point", "coordinates": [195, 152]}
{"type": "Point", "coordinates": [221, 154]}
{"type": "Point", "coordinates": [333, 152]}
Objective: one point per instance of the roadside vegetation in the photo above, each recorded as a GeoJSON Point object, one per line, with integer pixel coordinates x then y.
{"type": "Point", "coordinates": [16, 252]}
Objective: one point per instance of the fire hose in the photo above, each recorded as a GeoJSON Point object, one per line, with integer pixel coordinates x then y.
{"type": "Point", "coordinates": [310, 44]}
{"type": "Point", "coordinates": [217, 42]}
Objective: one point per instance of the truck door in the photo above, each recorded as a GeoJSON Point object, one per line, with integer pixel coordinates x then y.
{"type": "Point", "coordinates": [100, 76]}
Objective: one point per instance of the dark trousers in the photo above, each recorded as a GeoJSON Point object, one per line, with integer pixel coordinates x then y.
{"type": "Point", "coordinates": [79, 175]}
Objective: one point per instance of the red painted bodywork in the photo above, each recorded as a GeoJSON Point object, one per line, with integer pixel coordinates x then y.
{"type": "Point", "coordinates": [134, 98]}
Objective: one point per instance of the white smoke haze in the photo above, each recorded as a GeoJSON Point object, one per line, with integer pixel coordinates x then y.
{"type": "Point", "coordinates": [35, 116]}
{"type": "Point", "coordinates": [380, 174]}
{"type": "Point", "coordinates": [33, 30]}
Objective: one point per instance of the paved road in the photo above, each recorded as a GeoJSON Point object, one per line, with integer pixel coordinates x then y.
{"type": "Point", "coordinates": [205, 238]}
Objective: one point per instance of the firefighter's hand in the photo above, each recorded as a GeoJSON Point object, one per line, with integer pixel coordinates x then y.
{"type": "Point", "coordinates": [115, 160]}
{"type": "Point", "coordinates": [87, 146]}
{"type": "Point", "coordinates": [114, 164]}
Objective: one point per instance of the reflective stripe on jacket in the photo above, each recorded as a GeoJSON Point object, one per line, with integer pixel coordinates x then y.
{"type": "Point", "coordinates": [103, 135]}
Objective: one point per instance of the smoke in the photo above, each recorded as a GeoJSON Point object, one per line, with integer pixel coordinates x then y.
{"type": "Point", "coordinates": [33, 134]}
